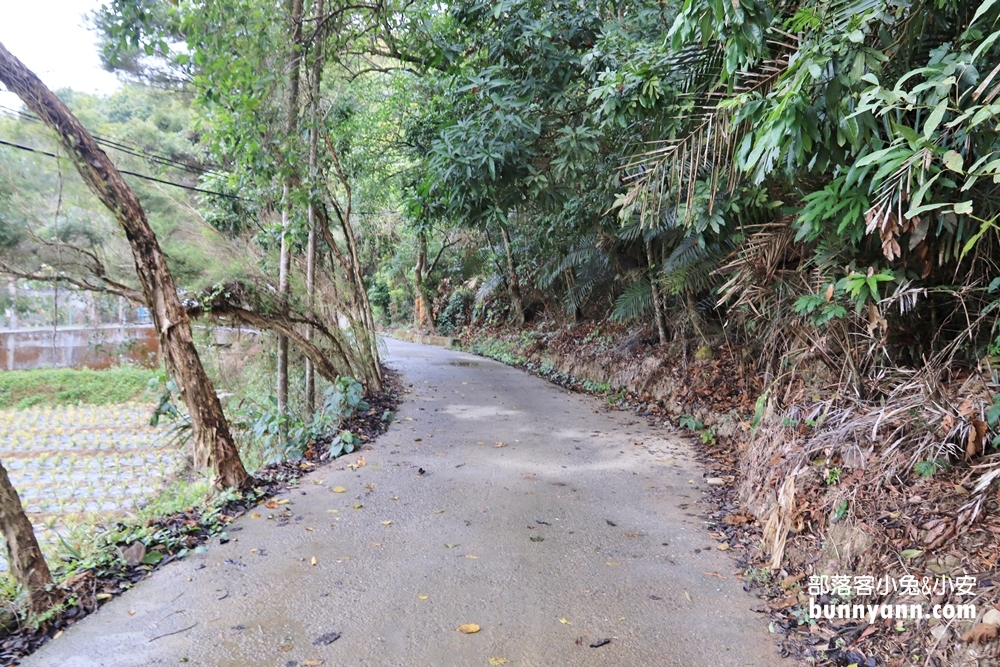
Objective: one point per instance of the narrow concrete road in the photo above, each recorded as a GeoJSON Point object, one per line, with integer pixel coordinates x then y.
{"type": "Point", "coordinates": [497, 499]}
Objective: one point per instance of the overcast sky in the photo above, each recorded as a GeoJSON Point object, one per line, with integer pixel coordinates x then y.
{"type": "Point", "coordinates": [53, 39]}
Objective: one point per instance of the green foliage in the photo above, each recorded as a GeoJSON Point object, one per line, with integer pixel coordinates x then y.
{"type": "Point", "coordinates": [927, 468]}
{"type": "Point", "coordinates": [61, 386]}
{"type": "Point", "coordinates": [634, 302]}
{"type": "Point", "coordinates": [456, 313]}
{"type": "Point", "coordinates": [271, 436]}
{"type": "Point", "coordinates": [690, 422]}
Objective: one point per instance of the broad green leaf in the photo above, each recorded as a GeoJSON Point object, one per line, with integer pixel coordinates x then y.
{"type": "Point", "coordinates": [934, 119]}
{"type": "Point", "coordinates": [983, 8]}
{"type": "Point", "coordinates": [954, 161]}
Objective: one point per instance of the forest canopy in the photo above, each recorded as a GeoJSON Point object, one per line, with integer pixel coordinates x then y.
{"type": "Point", "coordinates": [817, 180]}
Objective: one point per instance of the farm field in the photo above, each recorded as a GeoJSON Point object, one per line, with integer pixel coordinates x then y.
{"type": "Point", "coordinates": [80, 463]}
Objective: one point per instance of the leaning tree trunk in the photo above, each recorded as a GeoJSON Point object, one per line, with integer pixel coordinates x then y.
{"type": "Point", "coordinates": [213, 442]}
{"type": "Point", "coordinates": [26, 560]}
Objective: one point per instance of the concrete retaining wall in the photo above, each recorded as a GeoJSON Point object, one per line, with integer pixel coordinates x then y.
{"type": "Point", "coordinates": [76, 347]}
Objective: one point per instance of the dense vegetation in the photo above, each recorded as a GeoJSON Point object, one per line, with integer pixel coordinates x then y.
{"type": "Point", "coordinates": [813, 182]}
{"type": "Point", "coordinates": [817, 180]}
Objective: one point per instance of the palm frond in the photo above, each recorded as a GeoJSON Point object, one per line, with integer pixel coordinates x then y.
{"type": "Point", "coordinates": [667, 173]}
{"type": "Point", "coordinates": [634, 302]}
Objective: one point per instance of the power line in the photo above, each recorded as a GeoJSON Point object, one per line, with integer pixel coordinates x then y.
{"type": "Point", "coordinates": [130, 173]}
{"type": "Point", "coordinates": [119, 145]}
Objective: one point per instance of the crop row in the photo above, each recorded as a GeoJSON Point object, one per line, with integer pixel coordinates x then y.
{"type": "Point", "coordinates": [75, 417]}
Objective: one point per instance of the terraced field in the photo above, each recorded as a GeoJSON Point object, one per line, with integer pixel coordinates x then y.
{"type": "Point", "coordinates": [69, 463]}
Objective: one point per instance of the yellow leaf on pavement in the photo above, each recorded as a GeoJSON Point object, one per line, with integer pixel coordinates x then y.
{"type": "Point", "coordinates": [468, 628]}
{"type": "Point", "coordinates": [255, 515]}
{"type": "Point", "coordinates": [314, 561]}
{"type": "Point", "coordinates": [339, 489]}
{"type": "Point", "coordinates": [421, 597]}
{"type": "Point", "coordinates": [499, 661]}
{"type": "Point", "coordinates": [312, 663]}
{"type": "Point", "coordinates": [387, 522]}
{"type": "Point", "coordinates": [564, 621]}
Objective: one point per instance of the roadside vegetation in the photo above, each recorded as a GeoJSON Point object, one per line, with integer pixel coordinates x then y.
{"type": "Point", "coordinates": [792, 207]}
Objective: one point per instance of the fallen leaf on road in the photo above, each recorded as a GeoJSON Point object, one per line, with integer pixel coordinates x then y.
{"type": "Point", "coordinates": [537, 539]}
{"type": "Point", "coordinates": [600, 643]}
{"type": "Point", "coordinates": [981, 633]}
{"type": "Point", "coordinates": [499, 445]}
{"type": "Point", "coordinates": [421, 597]}
{"type": "Point", "coordinates": [564, 621]}
{"type": "Point", "coordinates": [255, 515]}
{"type": "Point", "coordinates": [271, 504]}
{"type": "Point", "coordinates": [376, 544]}
{"type": "Point", "coordinates": [612, 563]}
{"type": "Point", "coordinates": [498, 661]}
{"type": "Point", "coordinates": [409, 419]}
{"type": "Point", "coordinates": [714, 574]}
{"type": "Point", "coordinates": [312, 663]}
{"type": "Point", "coordinates": [471, 557]}
{"type": "Point", "coordinates": [451, 546]}
{"type": "Point", "coordinates": [313, 561]}
{"type": "Point", "coordinates": [327, 638]}
{"type": "Point", "coordinates": [339, 489]}
{"type": "Point", "coordinates": [357, 506]}
{"type": "Point", "coordinates": [688, 596]}
{"type": "Point", "coordinates": [284, 501]}
{"type": "Point", "coordinates": [387, 522]}
{"type": "Point", "coordinates": [723, 547]}
{"type": "Point", "coordinates": [468, 628]}
{"type": "Point", "coordinates": [334, 511]}
{"type": "Point", "coordinates": [439, 511]}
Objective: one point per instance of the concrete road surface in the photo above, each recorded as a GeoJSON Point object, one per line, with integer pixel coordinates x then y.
{"type": "Point", "coordinates": [497, 499]}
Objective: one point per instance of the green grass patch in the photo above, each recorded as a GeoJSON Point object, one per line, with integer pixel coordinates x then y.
{"type": "Point", "coordinates": [62, 386]}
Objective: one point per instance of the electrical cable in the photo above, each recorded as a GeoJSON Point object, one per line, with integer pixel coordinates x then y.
{"type": "Point", "coordinates": [125, 171]}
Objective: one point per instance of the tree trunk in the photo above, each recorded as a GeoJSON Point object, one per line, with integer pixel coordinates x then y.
{"type": "Point", "coordinates": [361, 305]}
{"type": "Point", "coordinates": [512, 282]}
{"type": "Point", "coordinates": [655, 294]}
{"type": "Point", "coordinates": [291, 125]}
{"type": "Point", "coordinates": [423, 319]}
{"type": "Point", "coordinates": [26, 560]}
{"type": "Point", "coordinates": [213, 442]}
{"type": "Point", "coordinates": [317, 72]}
